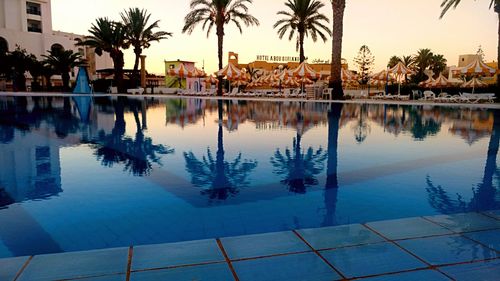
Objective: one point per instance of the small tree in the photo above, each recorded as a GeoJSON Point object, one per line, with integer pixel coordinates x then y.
{"type": "Point", "coordinates": [364, 61]}
{"type": "Point", "coordinates": [480, 53]}
{"type": "Point", "coordinates": [438, 64]}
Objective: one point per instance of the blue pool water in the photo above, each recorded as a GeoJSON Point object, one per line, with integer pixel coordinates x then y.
{"type": "Point", "coordinates": [80, 173]}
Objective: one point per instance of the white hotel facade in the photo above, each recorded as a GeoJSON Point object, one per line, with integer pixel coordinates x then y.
{"type": "Point", "coordinates": [28, 23]}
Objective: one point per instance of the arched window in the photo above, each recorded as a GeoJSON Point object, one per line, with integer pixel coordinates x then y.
{"type": "Point", "coordinates": [4, 45]}
{"type": "Point", "coordinates": [56, 47]}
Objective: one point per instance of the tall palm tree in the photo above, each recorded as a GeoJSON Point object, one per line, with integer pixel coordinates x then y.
{"type": "Point", "coordinates": [447, 4]}
{"type": "Point", "coordinates": [304, 18]}
{"type": "Point", "coordinates": [218, 13]}
{"type": "Point", "coordinates": [338, 7]}
{"type": "Point", "coordinates": [62, 61]}
{"type": "Point", "coordinates": [140, 34]}
{"type": "Point", "coordinates": [109, 36]}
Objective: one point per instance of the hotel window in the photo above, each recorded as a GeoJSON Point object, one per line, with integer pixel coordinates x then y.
{"type": "Point", "coordinates": [35, 26]}
{"type": "Point", "coordinates": [33, 8]}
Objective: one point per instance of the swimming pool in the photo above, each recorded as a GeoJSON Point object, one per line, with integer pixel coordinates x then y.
{"type": "Point", "coordinates": [81, 173]}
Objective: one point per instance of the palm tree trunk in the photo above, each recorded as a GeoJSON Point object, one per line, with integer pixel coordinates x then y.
{"type": "Point", "coordinates": [65, 81]}
{"type": "Point", "coordinates": [301, 46]}
{"type": "Point", "coordinates": [220, 45]}
{"type": "Point", "coordinates": [118, 62]}
{"type": "Point", "coordinates": [335, 82]}
{"type": "Point", "coordinates": [135, 74]}
{"type": "Point", "coordinates": [497, 92]}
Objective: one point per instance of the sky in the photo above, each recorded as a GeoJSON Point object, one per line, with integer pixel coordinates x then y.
{"type": "Point", "coordinates": [387, 27]}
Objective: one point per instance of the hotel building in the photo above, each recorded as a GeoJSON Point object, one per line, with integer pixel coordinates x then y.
{"type": "Point", "coordinates": [28, 24]}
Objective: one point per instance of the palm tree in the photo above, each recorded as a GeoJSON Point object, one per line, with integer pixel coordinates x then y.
{"type": "Point", "coordinates": [109, 36]}
{"type": "Point", "coordinates": [438, 64]}
{"type": "Point", "coordinates": [218, 13]}
{"type": "Point", "coordinates": [140, 34]}
{"type": "Point", "coordinates": [338, 7]}
{"type": "Point", "coordinates": [447, 4]}
{"type": "Point", "coordinates": [423, 59]}
{"type": "Point", "coordinates": [62, 61]}
{"type": "Point", "coordinates": [304, 18]}
{"type": "Point", "coordinates": [393, 61]}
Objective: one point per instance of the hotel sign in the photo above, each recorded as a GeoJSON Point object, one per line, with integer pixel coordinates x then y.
{"type": "Point", "coordinates": [277, 58]}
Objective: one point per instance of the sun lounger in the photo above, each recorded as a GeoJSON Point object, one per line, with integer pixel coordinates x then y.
{"type": "Point", "coordinates": [136, 91]}
{"type": "Point", "coordinates": [428, 95]}
{"type": "Point", "coordinates": [476, 98]}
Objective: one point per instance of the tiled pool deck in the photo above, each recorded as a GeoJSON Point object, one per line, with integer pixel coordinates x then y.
{"type": "Point", "coordinates": [445, 247]}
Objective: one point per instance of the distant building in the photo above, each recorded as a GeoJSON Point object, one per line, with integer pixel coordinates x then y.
{"type": "Point", "coordinates": [185, 83]}
{"type": "Point", "coordinates": [464, 60]}
{"type": "Point", "coordinates": [264, 63]}
{"type": "Point", "coordinates": [28, 23]}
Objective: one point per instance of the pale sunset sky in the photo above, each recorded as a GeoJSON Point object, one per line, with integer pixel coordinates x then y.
{"type": "Point", "coordinates": [388, 27]}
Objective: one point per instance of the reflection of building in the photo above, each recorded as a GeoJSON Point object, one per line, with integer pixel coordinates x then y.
{"type": "Point", "coordinates": [30, 167]}
{"type": "Point", "coordinates": [29, 25]}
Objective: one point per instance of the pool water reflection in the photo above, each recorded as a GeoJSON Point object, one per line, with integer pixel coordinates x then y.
{"type": "Point", "coordinates": [80, 173]}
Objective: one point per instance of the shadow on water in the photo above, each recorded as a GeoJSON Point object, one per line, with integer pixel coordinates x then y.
{"type": "Point", "coordinates": [485, 195]}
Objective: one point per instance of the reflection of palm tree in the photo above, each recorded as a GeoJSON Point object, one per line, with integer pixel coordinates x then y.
{"type": "Point", "coordinates": [220, 178]}
{"type": "Point", "coordinates": [485, 196]}
{"type": "Point", "coordinates": [422, 128]}
{"type": "Point", "coordinates": [298, 167]}
{"type": "Point", "coordinates": [332, 183]}
{"type": "Point", "coordinates": [361, 128]}
{"type": "Point", "coordinates": [136, 154]}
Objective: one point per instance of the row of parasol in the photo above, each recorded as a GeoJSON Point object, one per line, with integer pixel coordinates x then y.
{"type": "Point", "coordinates": [304, 74]}
{"type": "Point", "coordinates": [476, 69]}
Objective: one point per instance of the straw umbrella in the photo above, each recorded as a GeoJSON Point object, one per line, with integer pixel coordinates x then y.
{"type": "Point", "coordinates": [441, 82]}
{"type": "Point", "coordinates": [478, 68]}
{"type": "Point", "coordinates": [211, 80]}
{"type": "Point", "coordinates": [305, 73]}
{"type": "Point", "coordinates": [427, 82]}
{"type": "Point", "coordinates": [399, 70]}
{"type": "Point", "coordinates": [180, 72]}
{"type": "Point", "coordinates": [231, 72]}
{"type": "Point", "coordinates": [474, 83]}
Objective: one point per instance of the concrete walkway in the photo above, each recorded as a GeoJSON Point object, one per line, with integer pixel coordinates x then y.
{"type": "Point", "coordinates": [445, 247]}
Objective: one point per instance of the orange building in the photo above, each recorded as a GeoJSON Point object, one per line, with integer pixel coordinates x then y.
{"type": "Point", "coordinates": [271, 63]}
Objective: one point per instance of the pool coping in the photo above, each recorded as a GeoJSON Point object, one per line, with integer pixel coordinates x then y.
{"type": "Point", "coordinates": [232, 254]}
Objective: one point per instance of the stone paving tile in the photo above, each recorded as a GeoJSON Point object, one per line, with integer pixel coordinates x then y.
{"type": "Point", "coordinates": [210, 272]}
{"type": "Point", "coordinates": [484, 271]}
{"type": "Point", "coordinates": [76, 264]}
{"type": "Point", "coordinates": [371, 259]}
{"type": "Point", "coordinates": [407, 228]}
{"type": "Point", "coordinates": [10, 267]}
{"type": "Point", "coordinates": [174, 254]}
{"type": "Point", "coordinates": [465, 222]}
{"type": "Point", "coordinates": [490, 238]}
{"type": "Point", "coordinates": [339, 236]}
{"type": "Point", "coordinates": [420, 275]}
{"type": "Point", "coordinates": [447, 249]}
{"type": "Point", "coordinates": [263, 245]}
{"type": "Point", "coordinates": [295, 267]}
